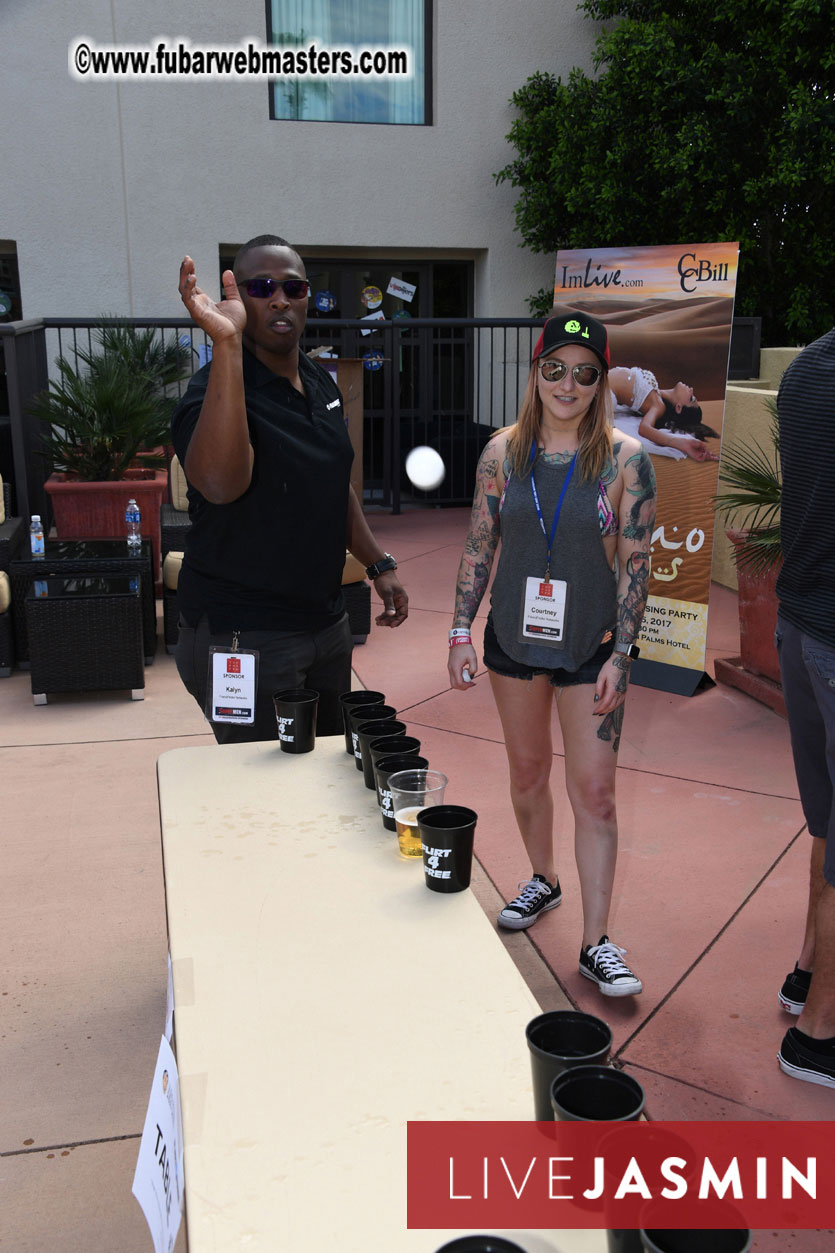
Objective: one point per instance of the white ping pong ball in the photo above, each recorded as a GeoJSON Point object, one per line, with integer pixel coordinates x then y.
{"type": "Point", "coordinates": [425, 468]}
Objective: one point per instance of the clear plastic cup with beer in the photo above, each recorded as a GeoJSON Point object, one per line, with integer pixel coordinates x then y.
{"type": "Point", "coordinates": [412, 791]}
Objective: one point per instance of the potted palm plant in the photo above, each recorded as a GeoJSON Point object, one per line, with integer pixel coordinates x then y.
{"type": "Point", "coordinates": [105, 420]}
{"type": "Point", "coordinates": [751, 476]}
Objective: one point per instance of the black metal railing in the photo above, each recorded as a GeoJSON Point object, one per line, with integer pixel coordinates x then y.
{"type": "Point", "coordinates": [447, 382]}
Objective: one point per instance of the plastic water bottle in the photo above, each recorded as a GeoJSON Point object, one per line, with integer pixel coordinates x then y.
{"type": "Point", "coordinates": [133, 524]}
{"type": "Point", "coordinates": [36, 541]}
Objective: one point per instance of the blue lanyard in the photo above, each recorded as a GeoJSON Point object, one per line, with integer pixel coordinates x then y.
{"type": "Point", "coordinates": [550, 542]}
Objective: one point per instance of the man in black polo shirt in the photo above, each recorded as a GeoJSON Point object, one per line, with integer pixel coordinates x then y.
{"type": "Point", "coordinates": [261, 436]}
{"type": "Point", "coordinates": [806, 645]}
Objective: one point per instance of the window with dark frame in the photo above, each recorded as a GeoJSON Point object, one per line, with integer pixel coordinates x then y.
{"type": "Point", "coordinates": [11, 309]}
{"type": "Point", "coordinates": [354, 24]}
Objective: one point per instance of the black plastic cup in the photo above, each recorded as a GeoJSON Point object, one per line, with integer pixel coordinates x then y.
{"type": "Point", "coordinates": [380, 729]}
{"type": "Point", "coordinates": [389, 765]}
{"type": "Point", "coordinates": [446, 837]}
{"type": "Point", "coordinates": [558, 1041]}
{"type": "Point", "coordinates": [388, 745]}
{"type": "Point", "coordinates": [481, 1244]}
{"type": "Point", "coordinates": [366, 713]}
{"type": "Point", "coordinates": [349, 701]}
{"type": "Point", "coordinates": [295, 711]}
{"type": "Point", "coordinates": [596, 1094]}
{"type": "Point", "coordinates": [736, 1240]}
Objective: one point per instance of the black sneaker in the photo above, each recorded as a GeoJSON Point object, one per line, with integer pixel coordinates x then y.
{"type": "Point", "coordinates": [794, 991]}
{"type": "Point", "coordinates": [603, 964]}
{"type": "Point", "coordinates": [801, 1061]}
{"type": "Point", "coordinates": [537, 896]}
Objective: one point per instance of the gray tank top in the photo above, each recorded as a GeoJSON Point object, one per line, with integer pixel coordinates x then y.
{"type": "Point", "coordinates": [578, 557]}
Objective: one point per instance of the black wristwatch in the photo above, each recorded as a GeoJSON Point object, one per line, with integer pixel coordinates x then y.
{"type": "Point", "coordinates": [385, 563]}
{"type": "Point", "coordinates": [627, 650]}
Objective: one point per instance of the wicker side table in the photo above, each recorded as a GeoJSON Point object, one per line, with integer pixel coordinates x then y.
{"type": "Point", "coordinates": [100, 558]}
{"type": "Point", "coordinates": [85, 634]}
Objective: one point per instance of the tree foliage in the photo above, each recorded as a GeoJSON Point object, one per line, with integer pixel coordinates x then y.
{"type": "Point", "coordinates": [704, 121]}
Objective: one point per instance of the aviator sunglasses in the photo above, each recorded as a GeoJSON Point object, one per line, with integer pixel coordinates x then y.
{"type": "Point", "coordinates": [553, 371]}
{"type": "Point", "coordinates": [262, 288]}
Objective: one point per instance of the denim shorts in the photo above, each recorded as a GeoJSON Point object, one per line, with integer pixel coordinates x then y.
{"type": "Point", "coordinates": [499, 662]}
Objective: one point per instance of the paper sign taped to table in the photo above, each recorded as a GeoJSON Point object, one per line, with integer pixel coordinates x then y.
{"type": "Point", "coordinates": [158, 1179]}
{"type": "Point", "coordinates": [169, 1004]}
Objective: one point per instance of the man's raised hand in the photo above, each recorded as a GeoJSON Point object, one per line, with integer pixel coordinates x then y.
{"type": "Point", "coordinates": [220, 321]}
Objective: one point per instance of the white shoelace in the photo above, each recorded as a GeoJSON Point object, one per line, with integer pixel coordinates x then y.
{"type": "Point", "coordinates": [530, 894]}
{"type": "Point", "coordinates": [608, 957]}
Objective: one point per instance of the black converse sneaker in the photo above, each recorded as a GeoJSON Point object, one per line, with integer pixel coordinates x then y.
{"type": "Point", "coordinates": [536, 897]}
{"type": "Point", "coordinates": [803, 1057]}
{"type": "Point", "coordinates": [795, 989]}
{"type": "Point", "coordinates": [603, 964]}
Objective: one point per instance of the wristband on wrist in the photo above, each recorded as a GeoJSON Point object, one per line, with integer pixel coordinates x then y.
{"type": "Point", "coordinates": [462, 639]}
{"type": "Point", "coordinates": [459, 631]}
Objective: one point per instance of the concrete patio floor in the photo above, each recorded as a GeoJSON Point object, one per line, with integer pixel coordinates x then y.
{"type": "Point", "coordinates": [710, 899]}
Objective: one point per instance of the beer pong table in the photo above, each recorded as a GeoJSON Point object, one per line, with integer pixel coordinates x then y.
{"type": "Point", "coordinates": [322, 997]}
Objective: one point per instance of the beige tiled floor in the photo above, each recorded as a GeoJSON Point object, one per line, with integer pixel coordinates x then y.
{"type": "Point", "coordinates": [712, 870]}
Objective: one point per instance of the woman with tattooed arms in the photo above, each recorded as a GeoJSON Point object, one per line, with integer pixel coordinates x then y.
{"type": "Point", "coordinates": [573, 502]}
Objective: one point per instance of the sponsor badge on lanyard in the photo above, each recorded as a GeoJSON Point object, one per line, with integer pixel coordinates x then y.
{"type": "Point", "coordinates": [232, 684]}
{"type": "Point", "coordinates": [545, 600]}
{"type": "Point", "coordinates": [543, 615]}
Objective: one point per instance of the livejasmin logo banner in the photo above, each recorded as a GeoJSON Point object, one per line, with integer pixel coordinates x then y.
{"type": "Point", "coordinates": [669, 314]}
{"type": "Point", "coordinates": [661, 1175]}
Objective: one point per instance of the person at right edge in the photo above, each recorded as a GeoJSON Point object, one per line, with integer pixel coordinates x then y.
{"type": "Point", "coordinates": [805, 641]}
{"type": "Point", "coordinates": [573, 501]}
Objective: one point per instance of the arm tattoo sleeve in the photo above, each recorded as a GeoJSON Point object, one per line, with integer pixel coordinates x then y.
{"type": "Point", "coordinates": [621, 664]}
{"type": "Point", "coordinates": [480, 546]}
{"type": "Point", "coordinates": [641, 486]}
{"type": "Point", "coordinates": [631, 603]}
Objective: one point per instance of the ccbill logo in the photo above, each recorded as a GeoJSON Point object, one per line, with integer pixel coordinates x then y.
{"type": "Point", "coordinates": [693, 270]}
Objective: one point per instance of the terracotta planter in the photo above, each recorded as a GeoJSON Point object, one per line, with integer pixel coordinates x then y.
{"type": "Point", "coordinates": [97, 510]}
{"type": "Point", "coordinates": [757, 616]}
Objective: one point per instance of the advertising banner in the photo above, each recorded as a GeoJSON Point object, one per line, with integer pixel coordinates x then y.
{"type": "Point", "coordinates": [669, 313]}
{"type": "Point", "coordinates": [716, 1177]}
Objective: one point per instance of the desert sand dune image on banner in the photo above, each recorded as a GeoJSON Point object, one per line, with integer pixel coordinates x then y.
{"type": "Point", "coordinates": [669, 313]}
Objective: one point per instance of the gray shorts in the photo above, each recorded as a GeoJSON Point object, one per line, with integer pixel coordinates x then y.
{"type": "Point", "coordinates": [807, 667]}
{"type": "Point", "coordinates": [320, 660]}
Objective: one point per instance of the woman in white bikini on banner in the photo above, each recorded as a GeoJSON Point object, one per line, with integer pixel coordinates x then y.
{"type": "Point", "coordinates": [670, 418]}
{"type": "Point", "coordinates": [567, 495]}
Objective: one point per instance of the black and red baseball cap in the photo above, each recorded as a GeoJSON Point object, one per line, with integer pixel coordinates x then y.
{"type": "Point", "coordinates": [573, 328]}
